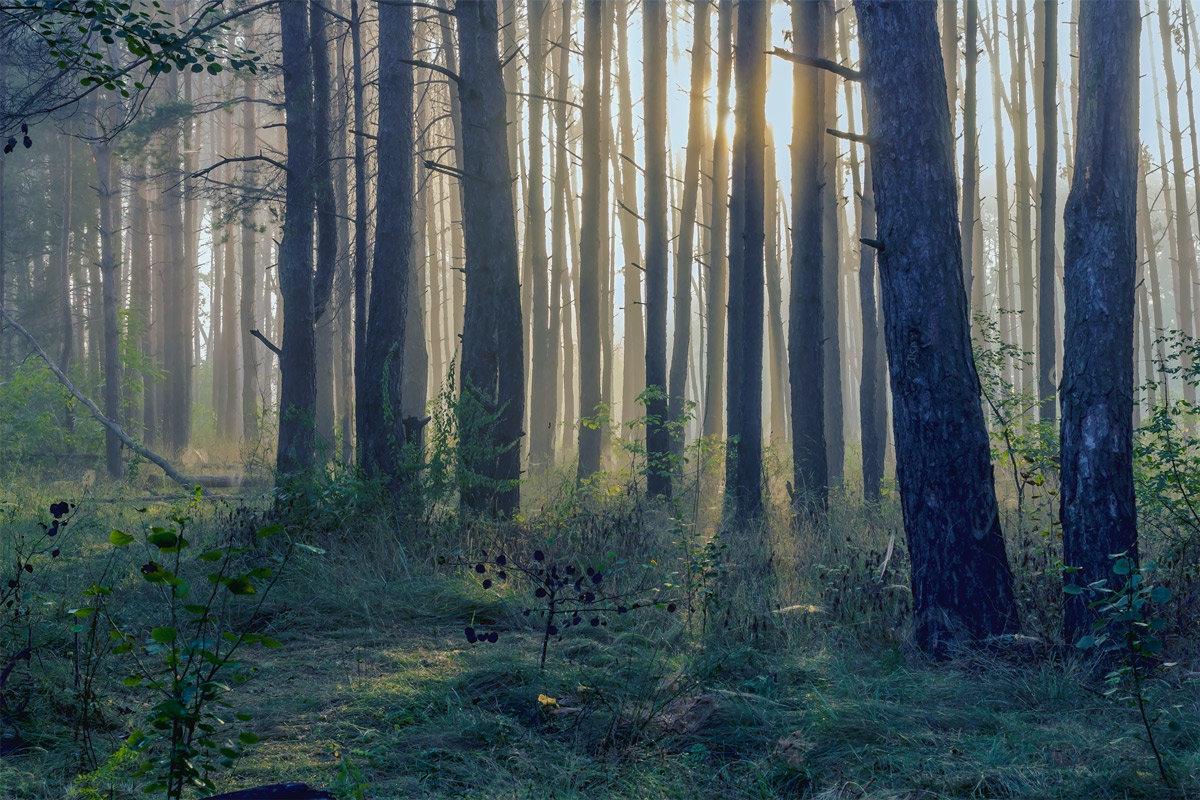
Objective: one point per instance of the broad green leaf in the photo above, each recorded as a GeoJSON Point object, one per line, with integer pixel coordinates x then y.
{"type": "Point", "coordinates": [164, 635]}
{"type": "Point", "coordinates": [118, 539]}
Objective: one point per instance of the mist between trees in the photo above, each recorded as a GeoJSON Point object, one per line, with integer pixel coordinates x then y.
{"type": "Point", "coordinates": [579, 235]}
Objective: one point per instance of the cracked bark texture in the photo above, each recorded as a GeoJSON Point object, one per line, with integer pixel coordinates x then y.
{"type": "Point", "coordinates": [961, 582]}
{"type": "Point", "coordinates": [1100, 269]}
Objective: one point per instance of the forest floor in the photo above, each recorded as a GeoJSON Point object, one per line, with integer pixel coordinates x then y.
{"type": "Point", "coordinates": [375, 691]}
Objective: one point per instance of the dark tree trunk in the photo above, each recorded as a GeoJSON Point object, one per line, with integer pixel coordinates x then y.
{"type": "Point", "coordinates": [685, 241]}
{"type": "Point", "coordinates": [1047, 276]}
{"type": "Point", "coordinates": [962, 586]}
{"type": "Point", "coordinates": [1098, 510]}
{"type": "Point", "coordinates": [595, 196]}
{"type": "Point", "coordinates": [718, 268]}
{"type": "Point", "coordinates": [381, 432]}
{"type": "Point", "coordinates": [492, 363]}
{"type": "Point", "coordinates": [658, 435]}
{"type": "Point", "coordinates": [744, 469]}
{"type": "Point", "coordinates": [298, 387]}
{"type": "Point", "coordinates": [805, 354]}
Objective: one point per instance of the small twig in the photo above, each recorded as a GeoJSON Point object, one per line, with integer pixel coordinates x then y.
{"type": "Point", "coordinates": [442, 168]}
{"type": "Point", "coordinates": [874, 243]}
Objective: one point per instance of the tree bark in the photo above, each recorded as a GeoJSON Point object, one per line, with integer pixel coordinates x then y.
{"type": "Point", "coordinates": [381, 431]}
{"type": "Point", "coordinates": [297, 363]}
{"type": "Point", "coordinates": [595, 196]}
{"type": "Point", "coordinates": [962, 586]}
{"type": "Point", "coordinates": [685, 242]}
{"type": "Point", "coordinates": [249, 269]}
{"type": "Point", "coordinates": [541, 409]}
{"type": "Point", "coordinates": [744, 466]}
{"type": "Point", "coordinates": [805, 354]}
{"type": "Point", "coordinates": [492, 363]}
{"type": "Point", "coordinates": [658, 435]}
{"type": "Point", "coordinates": [1098, 508]}
{"type": "Point", "coordinates": [1048, 209]}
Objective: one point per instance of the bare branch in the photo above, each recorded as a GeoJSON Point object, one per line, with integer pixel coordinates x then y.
{"type": "Point", "coordinates": [820, 63]}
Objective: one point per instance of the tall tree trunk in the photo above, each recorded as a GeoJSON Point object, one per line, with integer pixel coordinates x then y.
{"type": "Point", "coordinates": [560, 325]}
{"type": "Point", "coordinates": [969, 218]}
{"type": "Point", "coordinates": [361, 230]}
{"type": "Point", "coordinates": [139, 294]}
{"type": "Point", "coordinates": [326, 230]}
{"type": "Point", "coordinates": [249, 268]}
{"type": "Point", "coordinates": [1182, 216]}
{"type": "Point", "coordinates": [381, 426]}
{"type": "Point", "coordinates": [805, 353]}
{"type": "Point", "coordinates": [872, 395]}
{"type": "Point", "coordinates": [297, 363]}
{"type": "Point", "coordinates": [835, 440]}
{"type": "Point", "coordinates": [744, 469]}
{"type": "Point", "coordinates": [64, 275]}
{"type": "Point", "coordinates": [1048, 168]}
{"type": "Point", "coordinates": [228, 365]}
{"type": "Point", "coordinates": [685, 243]}
{"type": "Point", "coordinates": [962, 586]}
{"type": "Point", "coordinates": [633, 379]}
{"type": "Point", "coordinates": [493, 365]}
{"type": "Point", "coordinates": [110, 198]}
{"type": "Point", "coordinates": [1023, 186]}
{"type": "Point", "coordinates": [595, 196]}
{"type": "Point", "coordinates": [541, 409]}
{"type": "Point", "coordinates": [718, 274]}
{"type": "Point", "coordinates": [1150, 247]}
{"type": "Point", "coordinates": [777, 363]}
{"type": "Point", "coordinates": [1099, 518]}
{"type": "Point", "coordinates": [658, 435]}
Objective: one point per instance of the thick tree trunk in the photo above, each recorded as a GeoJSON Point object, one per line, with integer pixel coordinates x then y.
{"type": "Point", "coordinates": [298, 388]}
{"type": "Point", "coordinates": [658, 435]}
{"type": "Point", "coordinates": [381, 428]}
{"type": "Point", "coordinates": [744, 469]}
{"type": "Point", "coordinates": [962, 586]}
{"type": "Point", "coordinates": [492, 364]}
{"type": "Point", "coordinates": [1098, 510]}
{"type": "Point", "coordinates": [805, 353]}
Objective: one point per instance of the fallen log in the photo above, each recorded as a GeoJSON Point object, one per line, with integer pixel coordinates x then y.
{"type": "Point", "coordinates": [125, 438]}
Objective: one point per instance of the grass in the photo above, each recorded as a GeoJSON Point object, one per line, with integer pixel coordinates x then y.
{"type": "Point", "coordinates": [793, 681]}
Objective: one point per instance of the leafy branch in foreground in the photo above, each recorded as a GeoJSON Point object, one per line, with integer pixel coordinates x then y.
{"type": "Point", "coordinates": [183, 661]}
